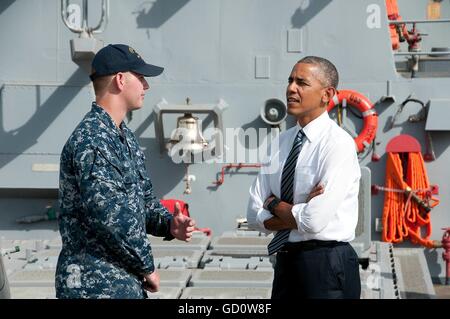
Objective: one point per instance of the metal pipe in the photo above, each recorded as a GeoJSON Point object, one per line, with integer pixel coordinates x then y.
{"type": "Point", "coordinates": [221, 179]}
{"type": "Point", "coordinates": [423, 53]}
{"type": "Point", "coordinates": [64, 4]}
{"type": "Point", "coordinates": [85, 16]}
{"type": "Point", "coordinates": [446, 253]}
{"type": "Point", "coordinates": [104, 18]}
{"type": "Point", "coordinates": [418, 21]}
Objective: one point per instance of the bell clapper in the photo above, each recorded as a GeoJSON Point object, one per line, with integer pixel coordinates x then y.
{"type": "Point", "coordinates": [188, 179]}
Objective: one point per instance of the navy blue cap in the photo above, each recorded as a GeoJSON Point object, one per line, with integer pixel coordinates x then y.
{"type": "Point", "coordinates": [116, 58]}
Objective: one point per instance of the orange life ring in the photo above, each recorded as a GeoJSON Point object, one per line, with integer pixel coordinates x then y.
{"type": "Point", "coordinates": [370, 116]}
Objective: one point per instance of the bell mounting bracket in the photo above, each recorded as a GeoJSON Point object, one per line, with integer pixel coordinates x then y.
{"type": "Point", "coordinates": [216, 110]}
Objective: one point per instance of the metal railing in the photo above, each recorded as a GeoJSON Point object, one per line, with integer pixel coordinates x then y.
{"type": "Point", "coordinates": [418, 21]}
{"type": "Point", "coordinates": [432, 53]}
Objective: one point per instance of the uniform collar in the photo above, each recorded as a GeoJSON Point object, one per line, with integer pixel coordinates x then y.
{"type": "Point", "coordinates": [106, 118]}
{"type": "Point", "coordinates": [314, 129]}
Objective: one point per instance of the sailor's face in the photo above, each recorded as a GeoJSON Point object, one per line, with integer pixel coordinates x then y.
{"type": "Point", "coordinates": [305, 93]}
{"type": "Point", "coordinates": [136, 87]}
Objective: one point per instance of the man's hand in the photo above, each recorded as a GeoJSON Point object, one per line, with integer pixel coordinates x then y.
{"type": "Point", "coordinates": [283, 218]}
{"type": "Point", "coordinates": [181, 226]}
{"type": "Point", "coordinates": [151, 282]}
{"type": "Point", "coordinates": [317, 190]}
{"type": "Point", "coordinates": [267, 202]}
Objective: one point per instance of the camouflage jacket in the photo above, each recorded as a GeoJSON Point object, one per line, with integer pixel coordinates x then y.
{"type": "Point", "coordinates": [107, 207]}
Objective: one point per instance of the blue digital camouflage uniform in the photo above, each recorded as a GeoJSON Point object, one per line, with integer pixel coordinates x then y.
{"type": "Point", "coordinates": [107, 208]}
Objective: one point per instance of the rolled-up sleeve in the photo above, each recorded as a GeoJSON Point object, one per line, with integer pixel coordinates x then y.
{"type": "Point", "coordinates": [259, 192]}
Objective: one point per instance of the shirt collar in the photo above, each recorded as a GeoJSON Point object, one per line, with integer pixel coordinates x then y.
{"type": "Point", "coordinates": [314, 129]}
{"type": "Point", "coordinates": [106, 118]}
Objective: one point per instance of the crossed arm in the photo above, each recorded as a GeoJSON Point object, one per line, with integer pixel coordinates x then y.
{"type": "Point", "coordinates": [282, 213]}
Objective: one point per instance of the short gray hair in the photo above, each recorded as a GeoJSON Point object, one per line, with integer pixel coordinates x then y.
{"type": "Point", "coordinates": [329, 73]}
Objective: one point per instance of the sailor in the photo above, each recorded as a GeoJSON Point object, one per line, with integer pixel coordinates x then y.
{"type": "Point", "coordinates": [106, 196]}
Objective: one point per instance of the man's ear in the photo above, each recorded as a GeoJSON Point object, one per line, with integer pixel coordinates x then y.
{"type": "Point", "coordinates": [328, 94]}
{"type": "Point", "coordinates": [120, 80]}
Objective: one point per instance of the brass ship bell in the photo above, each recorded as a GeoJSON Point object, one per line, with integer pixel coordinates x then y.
{"type": "Point", "coordinates": [188, 135]}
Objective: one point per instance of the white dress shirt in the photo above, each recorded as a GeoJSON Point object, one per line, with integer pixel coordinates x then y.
{"type": "Point", "coordinates": [328, 156]}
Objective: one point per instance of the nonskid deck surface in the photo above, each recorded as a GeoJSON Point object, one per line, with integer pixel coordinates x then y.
{"type": "Point", "coordinates": [234, 265]}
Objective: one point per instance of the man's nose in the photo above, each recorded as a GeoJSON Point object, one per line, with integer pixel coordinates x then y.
{"type": "Point", "coordinates": [291, 87]}
{"type": "Point", "coordinates": [146, 86]}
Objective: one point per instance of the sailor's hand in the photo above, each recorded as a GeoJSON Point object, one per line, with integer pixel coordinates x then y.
{"type": "Point", "coordinates": [151, 282]}
{"type": "Point", "coordinates": [181, 226]}
{"type": "Point", "coordinates": [316, 191]}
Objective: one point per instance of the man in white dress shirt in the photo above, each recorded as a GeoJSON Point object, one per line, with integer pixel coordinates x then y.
{"type": "Point", "coordinates": [313, 195]}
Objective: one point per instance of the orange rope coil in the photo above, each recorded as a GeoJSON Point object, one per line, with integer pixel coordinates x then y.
{"type": "Point", "coordinates": [407, 200]}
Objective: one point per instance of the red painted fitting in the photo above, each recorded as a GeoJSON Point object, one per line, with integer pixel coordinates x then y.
{"type": "Point", "coordinates": [221, 179]}
{"type": "Point", "coordinates": [374, 189]}
{"type": "Point", "coordinates": [434, 189]}
{"type": "Point", "coordinates": [446, 253]}
{"type": "Point", "coordinates": [375, 157]}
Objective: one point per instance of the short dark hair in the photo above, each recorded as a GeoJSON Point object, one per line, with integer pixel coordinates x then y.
{"type": "Point", "coordinates": [329, 73]}
{"type": "Point", "coordinates": [100, 83]}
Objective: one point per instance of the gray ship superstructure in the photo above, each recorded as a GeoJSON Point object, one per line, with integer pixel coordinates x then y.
{"type": "Point", "coordinates": [226, 67]}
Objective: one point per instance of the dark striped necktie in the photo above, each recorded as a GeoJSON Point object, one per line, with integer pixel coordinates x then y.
{"type": "Point", "coordinates": [287, 190]}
